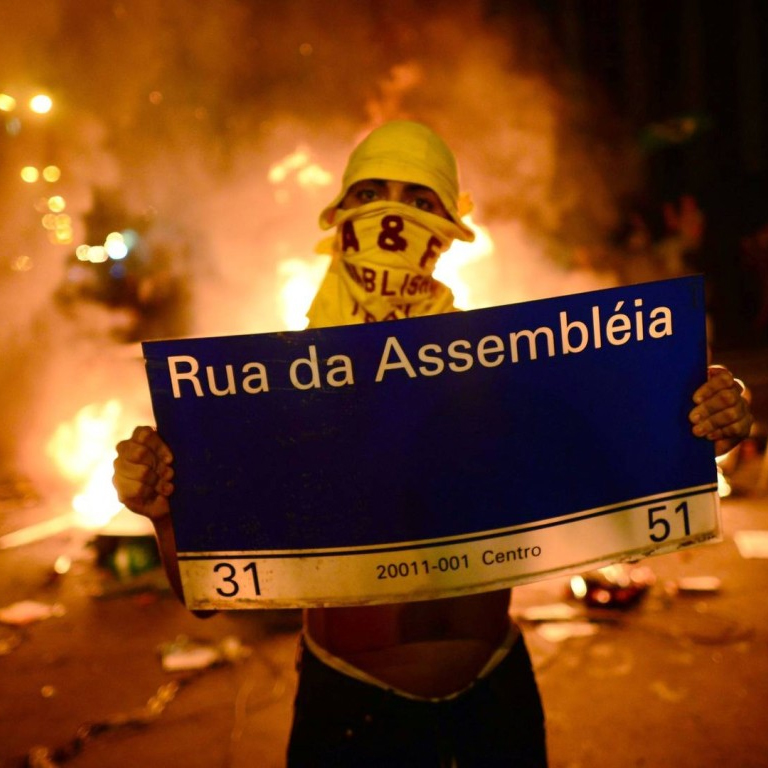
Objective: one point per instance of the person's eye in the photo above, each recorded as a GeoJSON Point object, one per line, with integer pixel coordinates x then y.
{"type": "Point", "coordinates": [425, 200]}
{"type": "Point", "coordinates": [366, 195]}
{"type": "Point", "coordinates": [423, 204]}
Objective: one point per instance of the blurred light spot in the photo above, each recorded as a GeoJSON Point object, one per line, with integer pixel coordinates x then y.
{"type": "Point", "coordinates": [21, 264]}
{"type": "Point", "coordinates": [63, 235]}
{"type": "Point", "coordinates": [116, 251]}
{"type": "Point", "coordinates": [49, 221]}
{"type": "Point", "coordinates": [279, 171]}
{"type": "Point", "coordinates": [130, 238]}
{"type": "Point", "coordinates": [117, 271]}
{"type": "Point", "coordinates": [7, 103]}
{"type": "Point", "coordinates": [51, 173]}
{"type": "Point", "coordinates": [578, 587]}
{"type": "Point", "coordinates": [13, 126]}
{"type": "Point", "coordinates": [62, 565]}
{"type": "Point", "coordinates": [305, 49]}
{"type": "Point", "coordinates": [155, 97]}
{"type": "Point", "coordinates": [314, 176]}
{"type": "Point", "coordinates": [97, 254]}
{"type": "Point", "coordinates": [82, 252]}
{"type": "Point", "coordinates": [30, 174]}
{"type": "Point", "coordinates": [41, 104]}
{"type": "Point", "coordinates": [56, 203]}
{"type": "Point", "coordinates": [115, 246]}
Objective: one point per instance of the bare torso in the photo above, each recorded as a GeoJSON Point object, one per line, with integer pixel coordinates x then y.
{"type": "Point", "coordinates": [429, 648]}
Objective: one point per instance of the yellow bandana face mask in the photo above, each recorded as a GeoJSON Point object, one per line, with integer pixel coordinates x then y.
{"type": "Point", "coordinates": [384, 254]}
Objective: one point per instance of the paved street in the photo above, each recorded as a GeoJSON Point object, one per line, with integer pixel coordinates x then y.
{"type": "Point", "coordinates": [680, 680]}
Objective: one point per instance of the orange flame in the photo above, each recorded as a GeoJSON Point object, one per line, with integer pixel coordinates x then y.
{"type": "Point", "coordinates": [83, 450]}
{"type": "Point", "coordinates": [450, 267]}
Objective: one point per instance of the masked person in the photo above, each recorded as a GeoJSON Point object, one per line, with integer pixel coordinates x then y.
{"type": "Point", "coordinates": [444, 682]}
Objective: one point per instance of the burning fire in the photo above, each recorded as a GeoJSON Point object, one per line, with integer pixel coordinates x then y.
{"type": "Point", "coordinates": [460, 255]}
{"type": "Point", "coordinates": [83, 450]}
{"type": "Point", "coordinates": [300, 280]}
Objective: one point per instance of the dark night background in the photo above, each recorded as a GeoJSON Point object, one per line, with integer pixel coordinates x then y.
{"type": "Point", "coordinates": [689, 80]}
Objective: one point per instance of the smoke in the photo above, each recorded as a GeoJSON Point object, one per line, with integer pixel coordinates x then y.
{"type": "Point", "coordinates": [176, 113]}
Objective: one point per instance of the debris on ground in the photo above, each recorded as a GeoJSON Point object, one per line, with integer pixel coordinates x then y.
{"type": "Point", "coordinates": [698, 584]}
{"type": "Point", "coordinates": [9, 641]}
{"type": "Point", "coordinates": [29, 611]}
{"type": "Point", "coordinates": [550, 612]}
{"type": "Point", "coordinates": [185, 654]}
{"type": "Point", "coordinates": [46, 757]}
{"type": "Point", "coordinates": [615, 586]}
{"type": "Point", "coordinates": [557, 631]}
{"type": "Point", "coordinates": [752, 544]}
{"type": "Point", "coordinates": [126, 557]}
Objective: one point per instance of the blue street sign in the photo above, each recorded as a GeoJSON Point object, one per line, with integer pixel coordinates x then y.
{"type": "Point", "coordinates": [431, 442]}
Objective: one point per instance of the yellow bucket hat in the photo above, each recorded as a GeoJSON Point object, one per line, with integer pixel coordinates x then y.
{"type": "Point", "coordinates": [403, 150]}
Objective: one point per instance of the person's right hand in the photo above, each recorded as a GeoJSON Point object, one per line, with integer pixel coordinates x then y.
{"type": "Point", "coordinates": [143, 473]}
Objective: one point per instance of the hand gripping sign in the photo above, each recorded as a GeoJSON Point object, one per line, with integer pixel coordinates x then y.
{"type": "Point", "coordinates": [436, 456]}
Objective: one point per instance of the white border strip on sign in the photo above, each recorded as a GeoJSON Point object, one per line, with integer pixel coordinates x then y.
{"type": "Point", "coordinates": [454, 565]}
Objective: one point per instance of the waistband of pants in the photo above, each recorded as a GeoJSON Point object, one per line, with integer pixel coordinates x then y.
{"type": "Point", "coordinates": [350, 670]}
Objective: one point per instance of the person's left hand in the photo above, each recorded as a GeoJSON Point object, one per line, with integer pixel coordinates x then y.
{"type": "Point", "coordinates": [722, 413]}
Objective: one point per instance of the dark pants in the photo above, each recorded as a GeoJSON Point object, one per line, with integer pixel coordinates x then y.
{"type": "Point", "coordinates": [341, 722]}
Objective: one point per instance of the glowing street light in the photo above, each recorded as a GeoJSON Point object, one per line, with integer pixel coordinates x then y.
{"type": "Point", "coordinates": [57, 203]}
{"type": "Point", "coordinates": [51, 173]}
{"type": "Point", "coordinates": [41, 104]}
{"type": "Point", "coordinates": [7, 103]}
{"type": "Point", "coordinates": [115, 246]}
{"type": "Point", "coordinates": [30, 174]}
